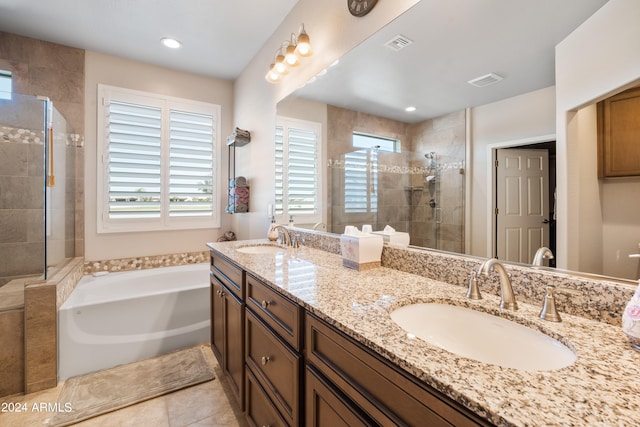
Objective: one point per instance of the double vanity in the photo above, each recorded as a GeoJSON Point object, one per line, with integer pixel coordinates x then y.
{"type": "Point", "coordinates": [306, 341]}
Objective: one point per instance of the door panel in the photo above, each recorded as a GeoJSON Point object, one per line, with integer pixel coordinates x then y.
{"type": "Point", "coordinates": [522, 182]}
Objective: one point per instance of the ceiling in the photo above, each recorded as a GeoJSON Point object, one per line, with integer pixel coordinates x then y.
{"type": "Point", "coordinates": [454, 41]}
{"type": "Point", "coordinates": [219, 36]}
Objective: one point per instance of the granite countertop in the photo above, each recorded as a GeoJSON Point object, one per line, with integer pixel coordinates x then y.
{"type": "Point", "coordinates": [602, 388]}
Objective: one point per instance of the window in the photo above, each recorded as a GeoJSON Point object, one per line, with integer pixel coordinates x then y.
{"type": "Point", "coordinates": [157, 162]}
{"type": "Point", "coordinates": [298, 186]}
{"type": "Point", "coordinates": [5, 84]}
{"type": "Point", "coordinates": [363, 140]}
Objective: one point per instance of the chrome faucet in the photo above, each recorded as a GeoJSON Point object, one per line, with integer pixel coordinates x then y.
{"type": "Point", "coordinates": [286, 239]}
{"type": "Point", "coordinates": [540, 255]}
{"type": "Point", "coordinates": [508, 299]}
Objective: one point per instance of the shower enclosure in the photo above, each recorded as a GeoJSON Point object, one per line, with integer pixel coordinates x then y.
{"type": "Point", "coordinates": [418, 193]}
{"type": "Point", "coordinates": [37, 190]}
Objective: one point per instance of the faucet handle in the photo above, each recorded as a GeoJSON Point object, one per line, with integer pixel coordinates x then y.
{"type": "Point", "coordinates": [474, 291]}
{"type": "Point", "coordinates": [549, 311]}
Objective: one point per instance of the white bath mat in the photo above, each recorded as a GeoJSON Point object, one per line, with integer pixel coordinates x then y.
{"type": "Point", "coordinates": [95, 394]}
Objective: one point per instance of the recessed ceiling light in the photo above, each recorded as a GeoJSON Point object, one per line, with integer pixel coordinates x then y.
{"type": "Point", "coordinates": [171, 43]}
{"type": "Point", "coordinates": [410, 109]}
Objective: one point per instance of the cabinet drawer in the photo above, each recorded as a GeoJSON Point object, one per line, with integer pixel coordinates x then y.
{"type": "Point", "coordinates": [327, 407]}
{"type": "Point", "coordinates": [229, 274]}
{"type": "Point", "coordinates": [283, 315]}
{"type": "Point", "coordinates": [276, 367]}
{"type": "Point", "coordinates": [384, 392]}
{"type": "Point", "coordinates": [260, 411]}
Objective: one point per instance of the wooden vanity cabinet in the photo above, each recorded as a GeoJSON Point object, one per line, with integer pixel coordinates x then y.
{"type": "Point", "coordinates": [619, 135]}
{"type": "Point", "coordinates": [385, 393]}
{"type": "Point", "coordinates": [289, 367]}
{"type": "Point", "coordinates": [272, 353]}
{"type": "Point", "coordinates": [227, 322]}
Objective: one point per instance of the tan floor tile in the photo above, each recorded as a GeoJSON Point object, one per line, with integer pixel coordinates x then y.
{"type": "Point", "coordinates": [193, 404]}
{"type": "Point", "coordinates": [149, 413]}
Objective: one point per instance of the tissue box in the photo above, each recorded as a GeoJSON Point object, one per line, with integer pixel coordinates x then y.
{"type": "Point", "coordinates": [361, 252]}
{"type": "Point", "coordinates": [394, 237]}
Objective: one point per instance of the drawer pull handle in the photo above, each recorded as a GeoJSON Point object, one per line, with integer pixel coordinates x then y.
{"type": "Point", "coordinates": [265, 360]}
{"type": "Point", "coordinates": [266, 304]}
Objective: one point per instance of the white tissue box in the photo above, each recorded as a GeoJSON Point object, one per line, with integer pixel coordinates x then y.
{"type": "Point", "coordinates": [361, 252]}
{"type": "Point", "coordinates": [394, 237]}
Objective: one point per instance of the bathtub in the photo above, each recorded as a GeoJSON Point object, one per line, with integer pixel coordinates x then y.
{"type": "Point", "coordinates": [124, 317]}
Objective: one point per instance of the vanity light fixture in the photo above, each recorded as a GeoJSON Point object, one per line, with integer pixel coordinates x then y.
{"type": "Point", "coordinates": [288, 55]}
{"type": "Point", "coordinates": [171, 43]}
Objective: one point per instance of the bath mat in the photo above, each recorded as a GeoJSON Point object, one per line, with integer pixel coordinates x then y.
{"type": "Point", "coordinates": [112, 389]}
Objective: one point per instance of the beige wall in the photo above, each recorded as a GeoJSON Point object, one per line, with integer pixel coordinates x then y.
{"type": "Point", "coordinates": [598, 59]}
{"type": "Point", "coordinates": [134, 75]}
{"type": "Point", "coordinates": [333, 32]}
{"type": "Point", "coordinates": [526, 118]}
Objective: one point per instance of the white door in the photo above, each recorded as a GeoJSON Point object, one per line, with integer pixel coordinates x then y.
{"type": "Point", "coordinates": [522, 215]}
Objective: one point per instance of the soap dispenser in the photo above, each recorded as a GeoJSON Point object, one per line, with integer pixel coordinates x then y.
{"type": "Point", "coordinates": [631, 319]}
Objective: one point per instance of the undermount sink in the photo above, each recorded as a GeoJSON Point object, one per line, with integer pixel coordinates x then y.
{"type": "Point", "coordinates": [483, 337]}
{"type": "Point", "coordinates": [261, 249]}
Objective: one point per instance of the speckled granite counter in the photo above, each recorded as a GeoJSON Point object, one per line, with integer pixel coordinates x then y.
{"type": "Point", "coordinates": [602, 388]}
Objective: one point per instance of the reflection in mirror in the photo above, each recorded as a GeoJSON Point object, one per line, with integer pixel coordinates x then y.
{"type": "Point", "coordinates": [415, 187]}
{"type": "Point", "coordinates": [370, 99]}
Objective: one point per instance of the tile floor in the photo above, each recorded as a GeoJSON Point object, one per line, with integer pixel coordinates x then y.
{"type": "Point", "coordinates": [203, 405]}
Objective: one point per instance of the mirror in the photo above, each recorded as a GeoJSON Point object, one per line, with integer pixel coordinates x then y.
{"type": "Point", "coordinates": [368, 90]}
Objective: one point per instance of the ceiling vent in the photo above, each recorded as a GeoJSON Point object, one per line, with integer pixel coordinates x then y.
{"type": "Point", "coordinates": [398, 42]}
{"type": "Point", "coordinates": [486, 80]}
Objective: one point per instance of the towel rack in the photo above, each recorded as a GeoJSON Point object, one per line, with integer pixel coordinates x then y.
{"type": "Point", "coordinates": [239, 138]}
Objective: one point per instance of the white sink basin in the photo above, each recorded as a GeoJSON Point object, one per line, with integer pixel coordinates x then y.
{"type": "Point", "coordinates": [483, 337]}
{"type": "Point", "coordinates": [261, 249]}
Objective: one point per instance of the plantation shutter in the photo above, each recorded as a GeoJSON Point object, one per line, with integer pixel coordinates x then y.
{"type": "Point", "coordinates": [191, 145]}
{"type": "Point", "coordinates": [279, 169]}
{"type": "Point", "coordinates": [302, 172]}
{"type": "Point", "coordinates": [297, 187]}
{"type": "Point", "coordinates": [361, 181]}
{"type": "Point", "coordinates": [133, 160]}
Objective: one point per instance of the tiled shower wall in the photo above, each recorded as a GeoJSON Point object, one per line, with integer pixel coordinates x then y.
{"type": "Point", "coordinates": [40, 69]}
{"type": "Point", "coordinates": [403, 192]}
{"type": "Point", "coordinates": [442, 226]}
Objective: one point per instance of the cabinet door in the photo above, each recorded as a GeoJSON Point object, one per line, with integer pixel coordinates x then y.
{"type": "Point", "coordinates": [619, 134]}
{"type": "Point", "coordinates": [227, 335]}
{"type": "Point", "coordinates": [234, 344]}
{"type": "Point", "coordinates": [217, 320]}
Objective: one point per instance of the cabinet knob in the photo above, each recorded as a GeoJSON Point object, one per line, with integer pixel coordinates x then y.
{"type": "Point", "coordinates": [265, 304]}
{"type": "Point", "coordinates": [221, 294]}
{"type": "Point", "coordinates": [265, 360]}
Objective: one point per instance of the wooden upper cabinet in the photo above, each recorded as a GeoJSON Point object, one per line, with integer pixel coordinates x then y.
{"type": "Point", "coordinates": [619, 135]}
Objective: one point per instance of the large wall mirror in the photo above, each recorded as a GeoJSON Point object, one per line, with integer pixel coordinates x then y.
{"type": "Point", "coordinates": [414, 170]}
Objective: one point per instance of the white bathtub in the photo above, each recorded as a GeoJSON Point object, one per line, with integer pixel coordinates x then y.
{"type": "Point", "coordinates": [124, 317]}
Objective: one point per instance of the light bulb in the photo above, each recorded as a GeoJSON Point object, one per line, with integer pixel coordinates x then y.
{"type": "Point", "coordinates": [290, 56]}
